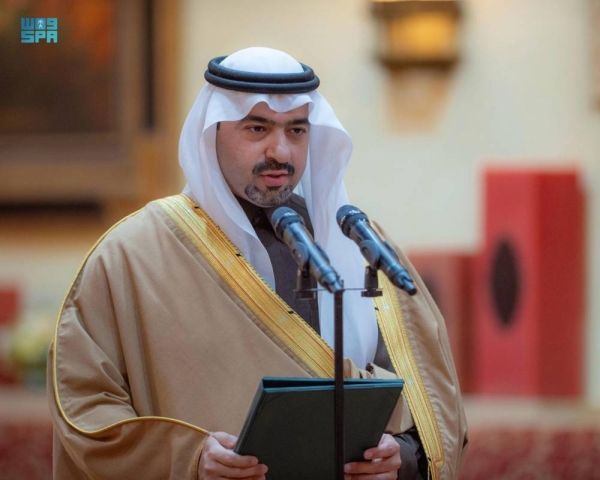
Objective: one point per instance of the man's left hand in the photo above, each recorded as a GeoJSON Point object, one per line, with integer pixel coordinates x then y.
{"type": "Point", "coordinates": [382, 462]}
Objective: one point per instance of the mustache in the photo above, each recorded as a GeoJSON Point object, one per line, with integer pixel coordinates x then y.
{"type": "Point", "coordinates": [272, 165]}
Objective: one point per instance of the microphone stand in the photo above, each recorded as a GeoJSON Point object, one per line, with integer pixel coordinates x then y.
{"type": "Point", "coordinates": [338, 392]}
{"type": "Point", "coordinates": [304, 291]}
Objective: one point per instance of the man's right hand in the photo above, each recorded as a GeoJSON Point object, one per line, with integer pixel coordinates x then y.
{"type": "Point", "coordinates": [219, 461]}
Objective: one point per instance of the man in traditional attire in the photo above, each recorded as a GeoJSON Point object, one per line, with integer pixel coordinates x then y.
{"type": "Point", "coordinates": [182, 307]}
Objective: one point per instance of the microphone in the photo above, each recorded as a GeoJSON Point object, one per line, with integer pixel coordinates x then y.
{"type": "Point", "coordinates": [380, 255]}
{"type": "Point", "coordinates": [289, 227]}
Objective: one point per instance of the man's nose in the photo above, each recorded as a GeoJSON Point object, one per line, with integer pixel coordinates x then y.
{"type": "Point", "coordinates": [278, 148]}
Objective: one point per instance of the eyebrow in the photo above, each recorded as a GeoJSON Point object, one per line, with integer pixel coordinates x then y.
{"type": "Point", "coordinates": [268, 121]}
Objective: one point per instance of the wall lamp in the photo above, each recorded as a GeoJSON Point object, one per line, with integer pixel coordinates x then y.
{"type": "Point", "coordinates": [418, 33]}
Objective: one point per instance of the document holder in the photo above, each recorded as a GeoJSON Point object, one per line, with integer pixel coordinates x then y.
{"type": "Point", "coordinates": [290, 425]}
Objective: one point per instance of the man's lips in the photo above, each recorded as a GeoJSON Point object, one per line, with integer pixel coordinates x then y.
{"type": "Point", "coordinates": [274, 178]}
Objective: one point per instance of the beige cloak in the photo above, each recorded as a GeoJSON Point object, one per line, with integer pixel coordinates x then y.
{"type": "Point", "coordinates": [167, 330]}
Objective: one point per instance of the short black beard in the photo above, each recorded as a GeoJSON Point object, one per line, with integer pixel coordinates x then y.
{"type": "Point", "coordinates": [272, 197]}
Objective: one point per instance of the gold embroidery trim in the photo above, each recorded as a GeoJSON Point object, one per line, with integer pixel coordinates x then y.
{"type": "Point", "coordinates": [393, 330]}
{"type": "Point", "coordinates": [61, 410]}
{"type": "Point", "coordinates": [276, 315]}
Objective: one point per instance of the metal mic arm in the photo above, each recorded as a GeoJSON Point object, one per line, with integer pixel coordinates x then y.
{"type": "Point", "coordinates": [304, 288]}
{"type": "Point", "coordinates": [371, 283]}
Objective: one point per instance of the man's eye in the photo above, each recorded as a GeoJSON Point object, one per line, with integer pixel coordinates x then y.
{"type": "Point", "coordinates": [256, 128]}
{"type": "Point", "coordinates": [298, 131]}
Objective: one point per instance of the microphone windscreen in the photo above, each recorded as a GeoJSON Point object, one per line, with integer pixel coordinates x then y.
{"type": "Point", "coordinates": [347, 216]}
{"type": "Point", "coordinates": [282, 217]}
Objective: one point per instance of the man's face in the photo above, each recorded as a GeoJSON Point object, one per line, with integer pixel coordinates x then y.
{"type": "Point", "coordinates": [263, 156]}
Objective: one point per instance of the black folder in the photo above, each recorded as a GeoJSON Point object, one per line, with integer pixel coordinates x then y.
{"type": "Point", "coordinates": [290, 425]}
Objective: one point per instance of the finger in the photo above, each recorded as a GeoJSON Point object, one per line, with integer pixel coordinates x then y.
{"type": "Point", "coordinates": [258, 471]}
{"type": "Point", "coordinates": [232, 459]}
{"type": "Point", "coordinates": [215, 453]}
{"type": "Point", "coordinates": [386, 448]}
{"type": "Point", "coordinates": [225, 439]}
{"type": "Point", "coordinates": [218, 462]}
{"type": "Point", "coordinates": [391, 464]}
{"type": "Point", "coordinates": [375, 476]}
{"type": "Point", "coordinates": [379, 466]}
